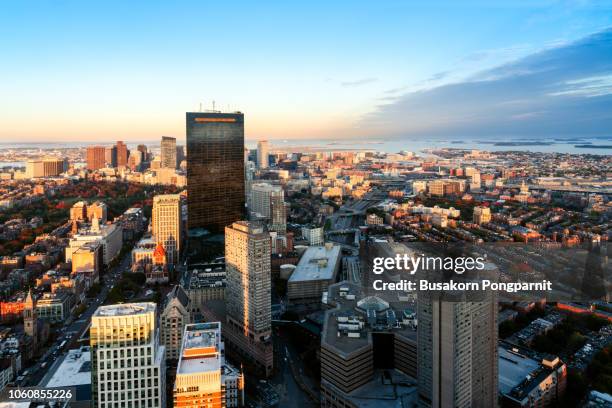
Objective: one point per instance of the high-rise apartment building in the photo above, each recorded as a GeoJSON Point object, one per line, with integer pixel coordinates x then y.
{"type": "Point", "coordinates": [457, 352]}
{"type": "Point", "coordinates": [122, 154]}
{"type": "Point", "coordinates": [96, 157]}
{"type": "Point", "coordinates": [168, 152]}
{"type": "Point", "coordinates": [260, 199]}
{"type": "Point", "coordinates": [278, 212]}
{"type": "Point", "coordinates": [167, 224]}
{"type": "Point", "coordinates": [247, 258]}
{"type": "Point", "coordinates": [203, 377]}
{"type": "Point", "coordinates": [215, 170]}
{"type": "Point", "coordinates": [127, 359]}
{"type": "Point", "coordinates": [263, 154]}
{"type": "Point", "coordinates": [174, 317]}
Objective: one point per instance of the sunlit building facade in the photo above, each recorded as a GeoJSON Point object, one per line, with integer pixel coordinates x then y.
{"type": "Point", "coordinates": [167, 224]}
{"type": "Point", "coordinates": [128, 361]}
{"type": "Point", "coordinates": [203, 377]}
{"type": "Point", "coordinates": [249, 310]}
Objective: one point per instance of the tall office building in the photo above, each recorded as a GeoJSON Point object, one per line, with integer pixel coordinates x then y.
{"type": "Point", "coordinates": [168, 152]}
{"type": "Point", "coordinates": [247, 259]}
{"type": "Point", "coordinates": [457, 352]}
{"type": "Point", "coordinates": [167, 225]}
{"type": "Point", "coordinates": [96, 157]}
{"type": "Point", "coordinates": [203, 377]}
{"type": "Point", "coordinates": [122, 154]}
{"type": "Point", "coordinates": [127, 359]}
{"type": "Point", "coordinates": [262, 154]}
{"type": "Point", "coordinates": [215, 170]}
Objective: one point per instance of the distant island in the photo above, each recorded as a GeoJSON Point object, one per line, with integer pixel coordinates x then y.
{"type": "Point", "coordinates": [526, 143]}
{"type": "Point", "coordinates": [592, 146]}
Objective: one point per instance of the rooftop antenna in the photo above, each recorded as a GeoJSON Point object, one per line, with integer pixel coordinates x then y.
{"type": "Point", "coordinates": [200, 106]}
{"type": "Point", "coordinates": [213, 106]}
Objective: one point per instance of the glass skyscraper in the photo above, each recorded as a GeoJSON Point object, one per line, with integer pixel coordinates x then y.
{"type": "Point", "coordinates": [215, 170]}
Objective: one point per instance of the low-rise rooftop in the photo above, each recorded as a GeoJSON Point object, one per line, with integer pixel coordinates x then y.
{"type": "Point", "coordinates": [317, 263]}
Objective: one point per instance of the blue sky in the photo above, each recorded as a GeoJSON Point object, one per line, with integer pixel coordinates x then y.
{"type": "Point", "coordinates": [90, 71]}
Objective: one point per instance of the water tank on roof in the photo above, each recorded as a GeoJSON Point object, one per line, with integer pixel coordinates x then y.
{"type": "Point", "coordinates": [300, 249]}
{"type": "Point", "coordinates": [286, 270]}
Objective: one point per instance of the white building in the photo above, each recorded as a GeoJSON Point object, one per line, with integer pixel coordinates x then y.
{"type": "Point", "coordinates": [261, 195]}
{"type": "Point", "coordinates": [314, 235]}
{"type": "Point", "coordinates": [128, 361]}
{"type": "Point", "coordinates": [317, 269]}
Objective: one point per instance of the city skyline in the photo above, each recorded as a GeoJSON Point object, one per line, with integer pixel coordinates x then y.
{"type": "Point", "coordinates": [336, 72]}
{"type": "Point", "coordinates": [287, 205]}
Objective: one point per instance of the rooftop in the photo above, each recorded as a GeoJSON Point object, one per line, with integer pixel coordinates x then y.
{"type": "Point", "coordinates": [125, 309]}
{"type": "Point", "coordinates": [387, 389]}
{"type": "Point", "coordinates": [347, 328]}
{"type": "Point", "coordinates": [513, 368]}
{"type": "Point", "coordinates": [317, 263]}
{"type": "Point", "coordinates": [74, 369]}
{"type": "Point", "coordinates": [201, 349]}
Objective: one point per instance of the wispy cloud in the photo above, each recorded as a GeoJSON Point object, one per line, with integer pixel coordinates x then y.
{"type": "Point", "coordinates": [358, 82]}
{"type": "Point", "coordinates": [561, 89]}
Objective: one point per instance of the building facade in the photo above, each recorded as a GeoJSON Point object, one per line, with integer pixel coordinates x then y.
{"type": "Point", "coordinates": [122, 154]}
{"type": "Point", "coordinates": [174, 317]}
{"type": "Point", "coordinates": [96, 157]}
{"type": "Point", "coordinates": [128, 361]}
{"type": "Point", "coordinates": [215, 170]}
{"type": "Point", "coordinates": [168, 152]}
{"type": "Point", "coordinates": [248, 267]}
{"type": "Point", "coordinates": [457, 352]}
{"type": "Point", "coordinates": [203, 377]}
{"type": "Point", "coordinates": [482, 215]}
{"type": "Point", "coordinates": [263, 154]}
{"type": "Point", "coordinates": [167, 224]}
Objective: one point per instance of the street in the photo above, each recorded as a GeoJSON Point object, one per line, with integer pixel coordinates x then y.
{"type": "Point", "coordinates": [74, 329]}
